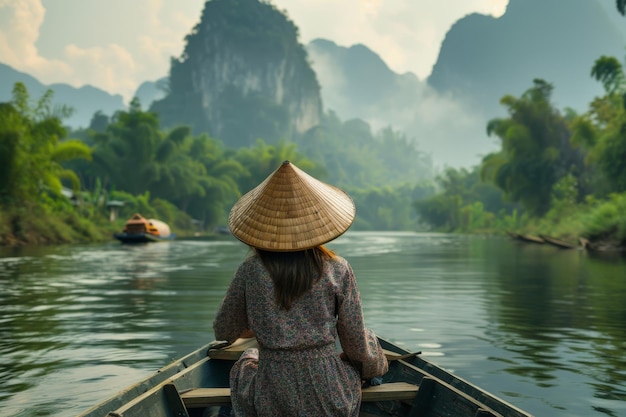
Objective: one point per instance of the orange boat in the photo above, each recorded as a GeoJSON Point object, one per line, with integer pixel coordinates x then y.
{"type": "Point", "coordinates": [141, 230]}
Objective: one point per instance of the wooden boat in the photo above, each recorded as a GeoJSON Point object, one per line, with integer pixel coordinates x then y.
{"type": "Point", "coordinates": [197, 385]}
{"type": "Point", "coordinates": [141, 230]}
{"type": "Point", "coordinates": [557, 242]}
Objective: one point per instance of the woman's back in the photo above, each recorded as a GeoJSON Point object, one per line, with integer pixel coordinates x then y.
{"type": "Point", "coordinates": [297, 370]}
{"type": "Point", "coordinates": [310, 321]}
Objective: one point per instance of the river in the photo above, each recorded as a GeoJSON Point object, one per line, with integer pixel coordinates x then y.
{"type": "Point", "coordinates": [540, 327]}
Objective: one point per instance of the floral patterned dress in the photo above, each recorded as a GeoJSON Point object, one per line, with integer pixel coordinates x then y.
{"type": "Point", "coordinates": [297, 370]}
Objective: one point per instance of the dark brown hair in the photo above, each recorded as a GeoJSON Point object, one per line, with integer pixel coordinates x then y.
{"type": "Point", "coordinates": [294, 273]}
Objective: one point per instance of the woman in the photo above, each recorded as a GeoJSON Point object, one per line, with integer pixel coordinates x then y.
{"type": "Point", "coordinates": [297, 298]}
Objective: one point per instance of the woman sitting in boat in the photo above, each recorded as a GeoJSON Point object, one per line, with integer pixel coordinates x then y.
{"type": "Point", "coordinates": [297, 298]}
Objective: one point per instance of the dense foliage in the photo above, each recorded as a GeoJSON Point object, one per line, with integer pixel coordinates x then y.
{"type": "Point", "coordinates": [33, 147]}
{"type": "Point", "coordinates": [536, 150]}
{"type": "Point", "coordinates": [559, 174]}
{"type": "Point", "coordinates": [355, 157]}
{"type": "Point", "coordinates": [191, 181]}
{"type": "Point", "coordinates": [466, 203]}
{"type": "Point", "coordinates": [556, 174]}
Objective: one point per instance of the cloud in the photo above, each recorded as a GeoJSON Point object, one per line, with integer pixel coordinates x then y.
{"type": "Point", "coordinates": [116, 59]}
{"type": "Point", "coordinates": [19, 30]}
{"type": "Point", "coordinates": [111, 67]}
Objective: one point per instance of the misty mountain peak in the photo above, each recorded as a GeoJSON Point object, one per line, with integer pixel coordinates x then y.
{"type": "Point", "coordinates": [483, 58]}
{"type": "Point", "coordinates": [243, 56]}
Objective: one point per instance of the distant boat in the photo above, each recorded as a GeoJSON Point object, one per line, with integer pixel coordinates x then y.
{"type": "Point", "coordinates": [141, 230]}
{"type": "Point", "coordinates": [557, 242]}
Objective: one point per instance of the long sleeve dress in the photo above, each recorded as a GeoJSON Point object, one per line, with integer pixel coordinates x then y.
{"type": "Point", "coordinates": [297, 370]}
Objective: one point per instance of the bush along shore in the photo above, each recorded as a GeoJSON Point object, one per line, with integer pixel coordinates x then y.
{"type": "Point", "coordinates": [596, 225]}
{"type": "Point", "coordinates": [28, 227]}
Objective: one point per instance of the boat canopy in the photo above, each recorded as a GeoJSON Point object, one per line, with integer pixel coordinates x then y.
{"type": "Point", "coordinates": [162, 228]}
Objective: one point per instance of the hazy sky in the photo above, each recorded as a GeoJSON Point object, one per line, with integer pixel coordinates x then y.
{"type": "Point", "coordinates": [117, 44]}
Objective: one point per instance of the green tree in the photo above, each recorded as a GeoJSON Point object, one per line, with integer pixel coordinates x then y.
{"type": "Point", "coordinates": [263, 159]}
{"type": "Point", "coordinates": [442, 211]}
{"type": "Point", "coordinates": [536, 150]}
{"type": "Point", "coordinates": [608, 71]}
{"type": "Point", "coordinates": [99, 122]}
{"type": "Point", "coordinates": [33, 147]}
{"type": "Point", "coordinates": [385, 208]}
{"type": "Point", "coordinates": [355, 157]}
{"type": "Point", "coordinates": [179, 174]}
{"type": "Point", "coordinates": [608, 137]}
{"type": "Point", "coordinates": [218, 184]}
{"type": "Point", "coordinates": [128, 155]}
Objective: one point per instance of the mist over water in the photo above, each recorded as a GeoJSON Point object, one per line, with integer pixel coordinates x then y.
{"type": "Point", "coordinates": [540, 327]}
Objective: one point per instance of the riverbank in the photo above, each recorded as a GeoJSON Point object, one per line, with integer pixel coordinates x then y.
{"type": "Point", "coordinates": [30, 226]}
{"type": "Point", "coordinates": [599, 223]}
{"type": "Point", "coordinates": [24, 227]}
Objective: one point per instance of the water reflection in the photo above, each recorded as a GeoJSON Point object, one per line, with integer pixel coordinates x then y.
{"type": "Point", "coordinates": [563, 315]}
{"type": "Point", "coordinates": [541, 327]}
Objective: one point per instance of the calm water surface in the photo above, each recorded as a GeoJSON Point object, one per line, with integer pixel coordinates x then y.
{"type": "Point", "coordinates": [542, 328]}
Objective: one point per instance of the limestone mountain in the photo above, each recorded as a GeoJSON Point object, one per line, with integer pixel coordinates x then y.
{"type": "Point", "coordinates": [484, 58]}
{"type": "Point", "coordinates": [243, 75]}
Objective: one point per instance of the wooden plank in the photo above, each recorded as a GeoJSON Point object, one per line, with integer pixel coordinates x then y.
{"type": "Point", "coordinates": [206, 397]}
{"type": "Point", "coordinates": [234, 351]}
{"type": "Point", "coordinates": [389, 391]}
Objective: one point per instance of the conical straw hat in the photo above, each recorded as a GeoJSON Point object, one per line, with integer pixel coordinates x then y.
{"type": "Point", "coordinates": [291, 211]}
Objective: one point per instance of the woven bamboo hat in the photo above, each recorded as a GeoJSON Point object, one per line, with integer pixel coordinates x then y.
{"type": "Point", "coordinates": [291, 211]}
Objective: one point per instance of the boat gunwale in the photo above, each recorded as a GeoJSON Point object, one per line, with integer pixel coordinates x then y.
{"type": "Point", "coordinates": [175, 373]}
{"type": "Point", "coordinates": [154, 379]}
{"type": "Point", "coordinates": [438, 373]}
